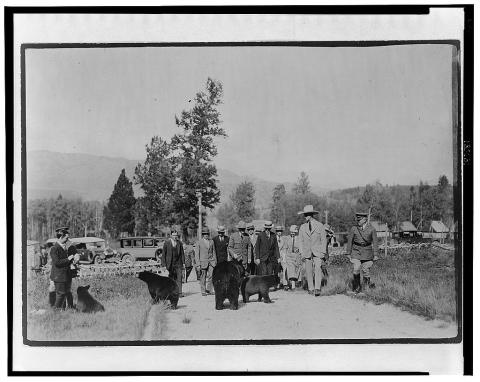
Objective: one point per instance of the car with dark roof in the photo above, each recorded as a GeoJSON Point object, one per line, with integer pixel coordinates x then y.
{"type": "Point", "coordinates": [140, 248]}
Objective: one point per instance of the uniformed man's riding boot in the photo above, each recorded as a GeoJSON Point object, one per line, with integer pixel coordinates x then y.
{"type": "Point", "coordinates": [51, 298]}
{"type": "Point", "coordinates": [368, 283]}
{"type": "Point", "coordinates": [357, 286]}
{"type": "Point", "coordinates": [69, 298]}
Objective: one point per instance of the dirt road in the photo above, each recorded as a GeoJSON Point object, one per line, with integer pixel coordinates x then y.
{"type": "Point", "coordinates": [296, 315]}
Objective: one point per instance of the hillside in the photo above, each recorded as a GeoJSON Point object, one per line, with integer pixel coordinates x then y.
{"type": "Point", "coordinates": [92, 177]}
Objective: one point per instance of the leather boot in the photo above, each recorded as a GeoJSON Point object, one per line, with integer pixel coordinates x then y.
{"type": "Point", "coordinates": [357, 286]}
{"type": "Point", "coordinates": [51, 298]}
{"type": "Point", "coordinates": [69, 298]}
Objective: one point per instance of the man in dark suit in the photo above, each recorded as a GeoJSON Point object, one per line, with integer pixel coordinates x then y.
{"type": "Point", "coordinates": [60, 273]}
{"type": "Point", "coordinates": [173, 258]}
{"type": "Point", "coordinates": [220, 245]}
{"type": "Point", "coordinates": [267, 254]}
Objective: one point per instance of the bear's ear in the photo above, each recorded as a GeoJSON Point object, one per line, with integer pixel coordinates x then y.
{"type": "Point", "coordinates": [87, 287]}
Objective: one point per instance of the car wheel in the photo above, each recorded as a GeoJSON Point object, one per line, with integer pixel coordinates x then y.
{"type": "Point", "coordinates": [97, 260]}
{"type": "Point", "coordinates": [128, 259]}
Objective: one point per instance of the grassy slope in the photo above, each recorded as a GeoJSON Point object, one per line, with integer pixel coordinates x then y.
{"type": "Point", "coordinates": [421, 281]}
{"type": "Point", "coordinates": [126, 301]}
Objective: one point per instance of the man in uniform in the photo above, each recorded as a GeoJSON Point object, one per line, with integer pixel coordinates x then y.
{"type": "Point", "coordinates": [313, 247]}
{"type": "Point", "coordinates": [267, 255]}
{"type": "Point", "coordinates": [173, 258]}
{"type": "Point", "coordinates": [205, 261]}
{"type": "Point", "coordinates": [238, 245]}
{"type": "Point", "coordinates": [362, 250]}
{"type": "Point", "coordinates": [60, 273]}
{"type": "Point", "coordinates": [220, 244]}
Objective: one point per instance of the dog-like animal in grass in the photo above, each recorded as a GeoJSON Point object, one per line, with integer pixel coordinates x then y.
{"type": "Point", "coordinates": [85, 301]}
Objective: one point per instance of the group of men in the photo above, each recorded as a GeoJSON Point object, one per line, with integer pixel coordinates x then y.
{"type": "Point", "coordinates": [303, 253]}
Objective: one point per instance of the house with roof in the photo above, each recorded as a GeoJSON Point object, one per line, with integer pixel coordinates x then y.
{"type": "Point", "coordinates": [437, 231]}
{"type": "Point", "coordinates": [381, 228]}
{"type": "Point", "coordinates": [406, 229]}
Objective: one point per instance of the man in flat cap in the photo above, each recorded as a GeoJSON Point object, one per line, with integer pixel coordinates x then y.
{"type": "Point", "coordinates": [220, 244]}
{"type": "Point", "coordinates": [267, 255]}
{"type": "Point", "coordinates": [205, 261]}
{"type": "Point", "coordinates": [60, 273]}
{"type": "Point", "coordinates": [238, 245]}
{"type": "Point", "coordinates": [313, 247]}
{"type": "Point", "coordinates": [362, 249]}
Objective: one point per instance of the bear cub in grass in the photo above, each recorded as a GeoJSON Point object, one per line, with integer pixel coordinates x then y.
{"type": "Point", "coordinates": [258, 284]}
{"type": "Point", "coordinates": [226, 278]}
{"type": "Point", "coordinates": [86, 303]}
{"type": "Point", "coordinates": [161, 287]}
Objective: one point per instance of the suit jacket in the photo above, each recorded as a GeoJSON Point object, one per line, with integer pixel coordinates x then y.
{"type": "Point", "coordinates": [362, 244]}
{"type": "Point", "coordinates": [238, 246]}
{"type": "Point", "coordinates": [171, 257]}
{"type": "Point", "coordinates": [221, 248]}
{"type": "Point", "coordinates": [205, 254]}
{"type": "Point", "coordinates": [314, 242]}
{"type": "Point", "coordinates": [60, 264]}
{"type": "Point", "coordinates": [266, 248]}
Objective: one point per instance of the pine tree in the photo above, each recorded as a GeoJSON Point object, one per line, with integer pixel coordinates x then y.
{"type": "Point", "coordinates": [277, 211]}
{"type": "Point", "coordinates": [118, 213]}
{"type": "Point", "coordinates": [302, 187]}
{"type": "Point", "coordinates": [243, 199]}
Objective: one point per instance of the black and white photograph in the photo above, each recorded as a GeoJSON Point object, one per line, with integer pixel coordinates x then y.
{"type": "Point", "coordinates": [240, 190]}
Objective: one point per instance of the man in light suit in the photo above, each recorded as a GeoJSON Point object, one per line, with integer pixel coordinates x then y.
{"type": "Point", "coordinates": [313, 247]}
{"type": "Point", "coordinates": [282, 246]}
{"type": "Point", "coordinates": [205, 261]}
{"type": "Point", "coordinates": [238, 245]}
{"type": "Point", "coordinates": [173, 258]}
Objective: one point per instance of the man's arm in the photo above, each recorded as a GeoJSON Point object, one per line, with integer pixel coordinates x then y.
{"type": "Point", "coordinates": [231, 246]}
{"type": "Point", "coordinates": [56, 261]}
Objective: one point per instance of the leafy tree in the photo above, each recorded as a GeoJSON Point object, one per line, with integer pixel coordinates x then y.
{"type": "Point", "coordinates": [277, 211]}
{"type": "Point", "coordinates": [119, 209]}
{"type": "Point", "coordinates": [195, 149]}
{"type": "Point", "coordinates": [302, 187]}
{"type": "Point", "coordinates": [243, 199]}
{"type": "Point", "coordinates": [227, 216]}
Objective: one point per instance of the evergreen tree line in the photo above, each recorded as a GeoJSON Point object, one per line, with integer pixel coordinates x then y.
{"type": "Point", "coordinates": [388, 204]}
{"type": "Point", "coordinates": [84, 218]}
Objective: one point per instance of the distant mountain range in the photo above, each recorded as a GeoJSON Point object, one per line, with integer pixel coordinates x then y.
{"type": "Point", "coordinates": [93, 177]}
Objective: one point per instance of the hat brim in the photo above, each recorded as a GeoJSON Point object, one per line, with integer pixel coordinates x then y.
{"type": "Point", "coordinates": [308, 212]}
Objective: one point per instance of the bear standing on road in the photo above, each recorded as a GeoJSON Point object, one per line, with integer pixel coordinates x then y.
{"type": "Point", "coordinates": [161, 288]}
{"type": "Point", "coordinates": [258, 284]}
{"type": "Point", "coordinates": [227, 277]}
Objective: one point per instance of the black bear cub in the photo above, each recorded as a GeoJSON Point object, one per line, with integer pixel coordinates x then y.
{"type": "Point", "coordinates": [86, 303]}
{"type": "Point", "coordinates": [161, 288]}
{"type": "Point", "coordinates": [226, 278]}
{"type": "Point", "coordinates": [258, 284]}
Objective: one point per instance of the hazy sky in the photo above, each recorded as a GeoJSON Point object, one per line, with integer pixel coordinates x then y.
{"type": "Point", "coordinates": [346, 116]}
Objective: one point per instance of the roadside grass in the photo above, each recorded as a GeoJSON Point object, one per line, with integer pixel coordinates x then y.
{"type": "Point", "coordinates": [125, 298]}
{"type": "Point", "coordinates": [421, 281]}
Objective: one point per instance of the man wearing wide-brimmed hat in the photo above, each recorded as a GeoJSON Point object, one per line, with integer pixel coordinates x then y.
{"type": "Point", "coordinates": [313, 247]}
{"type": "Point", "coordinates": [205, 261]}
{"type": "Point", "coordinates": [238, 245]}
{"type": "Point", "coordinates": [362, 249]}
{"type": "Point", "coordinates": [267, 255]}
{"type": "Point", "coordinates": [220, 244]}
{"type": "Point", "coordinates": [61, 274]}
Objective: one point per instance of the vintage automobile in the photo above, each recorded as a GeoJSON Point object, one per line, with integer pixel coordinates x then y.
{"type": "Point", "coordinates": [140, 248]}
{"type": "Point", "coordinates": [92, 250]}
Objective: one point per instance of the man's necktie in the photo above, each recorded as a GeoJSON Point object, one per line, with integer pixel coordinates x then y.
{"type": "Point", "coordinates": [293, 244]}
{"type": "Point", "coordinates": [310, 226]}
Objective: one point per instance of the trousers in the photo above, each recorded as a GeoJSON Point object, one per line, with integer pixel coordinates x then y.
{"type": "Point", "coordinates": [313, 270]}
{"type": "Point", "coordinates": [361, 265]}
{"type": "Point", "coordinates": [206, 279]}
{"type": "Point", "coordinates": [63, 291]}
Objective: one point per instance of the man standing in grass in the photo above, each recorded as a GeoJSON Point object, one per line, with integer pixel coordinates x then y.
{"type": "Point", "coordinates": [60, 273]}
{"type": "Point", "coordinates": [362, 250]}
{"type": "Point", "coordinates": [313, 247]}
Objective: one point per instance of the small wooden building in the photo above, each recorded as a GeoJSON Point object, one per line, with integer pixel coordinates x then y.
{"type": "Point", "coordinates": [381, 228]}
{"type": "Point", "coordinates": [437, 231]}
{"type": "Point", "coordinates": [407, 229]}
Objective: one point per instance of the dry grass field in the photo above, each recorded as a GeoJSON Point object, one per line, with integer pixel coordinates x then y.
{"type": "Point", "coordinates": [420, 281]}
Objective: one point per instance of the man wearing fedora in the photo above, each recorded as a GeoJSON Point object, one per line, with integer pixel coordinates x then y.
{"type": "Point", "coordinates": [60, 273]}
{"type": "Point", "coordinates": [313, 247]}
{"type": "Point", "coordinates": [362, 250]}
{"type": "Point", "coordinates": [238, 245]}
{"type": "Point", "coordinates": [205, 261]}
{"type": "Point", "coordinates": [252, 236]}
{"type": "Point", "coordinates": [220, 245]}
{"type": "Point", "coordinates": [267, 255]}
